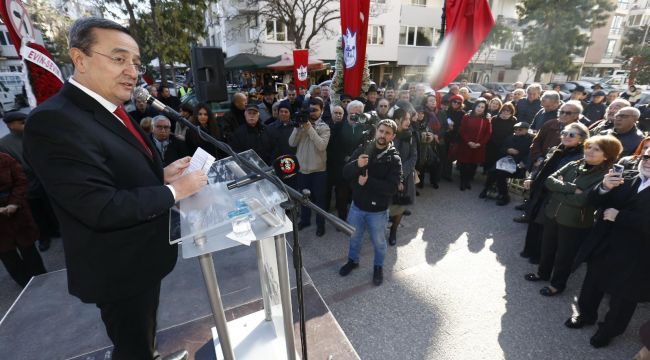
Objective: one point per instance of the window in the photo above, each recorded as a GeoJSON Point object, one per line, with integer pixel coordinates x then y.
{"type": "Point", "coordinates": [277, 31]}
{"type": "Point", "coordinates": [419, 2]}
{"type": "Point", "coordinates": [617, 25]}
{"type": "Point", "coordinates": [376, 35]}
{"type": "Point", "coordinates": [609, 52]}
{"type": "Point", "coordinates": [416, 36]}
{"type": "Point", "coordinates": [623, 4]}
{"type": "Point", "coordinates": [8, 38]}
{"type": "Point", "coordinates": [3, 40]}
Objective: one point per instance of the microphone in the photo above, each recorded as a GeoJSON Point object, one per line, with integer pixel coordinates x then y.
{"type": "Point", "coordinates": [143, 95]}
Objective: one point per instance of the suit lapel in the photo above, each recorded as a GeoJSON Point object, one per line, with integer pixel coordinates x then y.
{"type": "Point", "coordinates": [110, 122]}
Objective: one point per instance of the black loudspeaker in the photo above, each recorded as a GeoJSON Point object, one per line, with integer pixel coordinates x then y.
{"type": "Point", "coordinates": [209, 74]}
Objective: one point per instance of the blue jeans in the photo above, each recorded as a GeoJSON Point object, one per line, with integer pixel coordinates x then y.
{"type": "Point", "coordinates": [317, 185]}
{"type": "Point", "coordinates": [376, 224]}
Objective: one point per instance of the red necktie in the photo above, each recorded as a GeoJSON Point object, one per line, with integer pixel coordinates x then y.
{"type": "Point", "coordinates": [121, 113]}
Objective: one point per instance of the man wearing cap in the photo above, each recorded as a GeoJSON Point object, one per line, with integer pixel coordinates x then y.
{"type": "Point", "coordinates": [579, 93]}
{"type": "Point", "coordinates": [266, 105]}
{"type": "Point", "coordinates": [311, 139]}
{"type": "Point", "coordinates": [611, 96]}
{"type": "Point", "coordinates": [596, 108]}
{"type": "Point", "coordinates": [39, 204]}
{"type": "Point", "coordinates": [253, 135]}
{"type": "Point", "coordinates": [371, 102]}
{"type": "Point", "coordinates": [281, 130]}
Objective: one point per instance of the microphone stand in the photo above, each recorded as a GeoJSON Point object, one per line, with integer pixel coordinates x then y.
{"type": "Point", "coordinates": [291, 204]}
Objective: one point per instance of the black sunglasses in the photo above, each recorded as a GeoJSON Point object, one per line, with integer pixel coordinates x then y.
{"type": "Point", "coordinates": [645, 157]}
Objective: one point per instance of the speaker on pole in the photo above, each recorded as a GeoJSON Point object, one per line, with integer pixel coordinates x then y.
{"type": "Point", "coordinates": [208, 73]}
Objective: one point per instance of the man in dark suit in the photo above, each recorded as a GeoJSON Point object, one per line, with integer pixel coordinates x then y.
{"type": "Point", "coordinates": [108, 187]}
{"type": "Point", "coordinates": [169, 147]}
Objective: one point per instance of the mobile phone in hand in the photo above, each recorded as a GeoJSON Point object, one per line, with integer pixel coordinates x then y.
{"type": "Point", "coordinates": [618, 169]}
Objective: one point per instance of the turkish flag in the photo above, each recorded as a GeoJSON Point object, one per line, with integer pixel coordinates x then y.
{"type": "Point", "coordinates": [468, 23]}
{"type": "Point", "coordinates": [300, 65]}
{"type": "Point", "coordinates": [354, 26]}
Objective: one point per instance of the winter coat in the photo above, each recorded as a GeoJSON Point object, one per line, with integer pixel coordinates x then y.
{"type": "Point", "coordinates": [312, 146]}
{"type": "Point", "coordinates": [384, 175]}
{"type": "Point", "coordinates": [19, 229]}
{"type": "Point", "coordinates": [256, 138]}
{"type": "Point", "coordinates": [630, 140]}
{"type": "Point", "coordinates": [565, 206]}
{"type": "Point", "coordinates": [344, 139]}
{"type": "Point", "coordinates": [501, 131]}
{"type": "Point", "coordinates": [406, 143]}
{"type": "Point", "coordinates": [556, 158]}
{"type": "Point", "coordinates": [456, 117]}
{"type": "Point", "coordinates": [526, 110]}
{"type": "Point", "coordinates": [476, 130]}
{"type": "Point", "coordinates": [595, 112]}
{"type": "Point", "coordinates": [547, 137]}
{"type": "Point", "coordinates": [279, 133]}
{"type": "Point", "coordinates": [542, 117]}
{"type": "Point", "coordinates": [618, 251]}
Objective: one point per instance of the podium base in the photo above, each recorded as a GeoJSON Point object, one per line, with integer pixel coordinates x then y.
{"type": "Point", "coordinates": [252, 337]}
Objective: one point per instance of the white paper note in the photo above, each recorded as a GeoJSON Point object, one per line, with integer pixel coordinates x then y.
{"type": "Point", "coordinates": [201, 160]}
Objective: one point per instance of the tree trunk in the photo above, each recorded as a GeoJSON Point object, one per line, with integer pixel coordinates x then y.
{"type": "Point", "coordinates": [132, 22]}
{"type": "Point", "coordinates": [538, 76]}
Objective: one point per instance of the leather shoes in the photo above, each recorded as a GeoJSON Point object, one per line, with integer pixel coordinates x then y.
{"type": "Point", "coordinates": [378, 275]}
{"type": "Point", "coordinates": [320, 231]}
{"type": "Point", "coordinates": [548, 291]}
{"type": "Point", "coordinates": [178, 355]}
{"type": "Point", "coordinates": [600, 340]}
{"type": "Point", "coordinates": [348, 267]}
{"type": "Point", "coordinates": [578, 322]}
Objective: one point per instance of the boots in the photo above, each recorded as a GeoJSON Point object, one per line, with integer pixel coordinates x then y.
{"type": "Point", "coordinates": [392, 238]}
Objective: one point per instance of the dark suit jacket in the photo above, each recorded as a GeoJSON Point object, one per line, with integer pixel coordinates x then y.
{"type": "Point", "coordinates": [176, 149]}
{"type": "Point", "coordinates": [107, 194]}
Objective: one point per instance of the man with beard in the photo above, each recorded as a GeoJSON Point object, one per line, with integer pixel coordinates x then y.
{"type": "Point", "coordinates": [374, 172]}
{"type": "Point", "coordinates": [383, 106]}
{"type": "Point", "coordinates": [389, 95]}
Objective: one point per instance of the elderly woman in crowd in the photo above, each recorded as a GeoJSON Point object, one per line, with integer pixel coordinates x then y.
{"type": "Point", "coordinates": [570, 149]}
{"type": "Point", "coordinates": [475, 132]}
{"type": "Point", "coordinates": [18, 231]}
{"type": "Point", "coordinates": [617, 253]}
{"type": "Point", "coordinates": [568, 216]}
{"type": "Point", "coordinates": [406, 144]}
{"type": "Point", "coordinates": [430, 135]}
{"type": "Point", "coordinates": [494, 106]}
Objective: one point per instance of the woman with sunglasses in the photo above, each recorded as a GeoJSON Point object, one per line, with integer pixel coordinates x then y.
{"type": "Point", "coordinates": [570, 149]}
{"type": "Point", "coordinates": [568, 216]}
{"type": "Point", "coordinates": [617, 253]}
{"type": "Point", "coordinates": [475, 132]}
{"type": "Point", "coordinates": [455, 114]}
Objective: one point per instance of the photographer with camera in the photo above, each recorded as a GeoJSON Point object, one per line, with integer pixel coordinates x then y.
{"type": "Point", "coordinates": [311, 137]}
{"type": "Point", "coordinates": [347, 135]}
{"type": "Point", "coordinates": [374, 174]}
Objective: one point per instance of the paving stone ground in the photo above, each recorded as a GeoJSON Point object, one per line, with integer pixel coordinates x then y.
{"type": "Point", "coordinates": [453, 289]}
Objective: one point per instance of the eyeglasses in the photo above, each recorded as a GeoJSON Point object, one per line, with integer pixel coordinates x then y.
{"type": "Point", "coordinates": [120, 61]}
{"type": "Point", "coordinates": [160, 127]}
{"type": "Point", "coordinates": [567, 112]}
{"type": "Point", "coordinates": [645, 157]}
{"type": "Point", "coordinates": [569, 134]}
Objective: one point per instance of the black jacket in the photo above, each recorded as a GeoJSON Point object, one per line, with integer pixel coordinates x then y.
{"type": "Point", "coordinates": [618, 251]}
{"type": "Point", "coordinates": [256, 138]}
{"type": "Point", "coordinates": [384, 175]}
{"type": "Point", "coordinates": [280, 133]}
{"type": "Point", "coordinates": [175, 150]}
{"type": "Point", "coordinates": [526, 110]}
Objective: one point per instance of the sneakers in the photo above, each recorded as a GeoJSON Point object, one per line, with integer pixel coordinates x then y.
{"type": "Point", "coordinates": [378, 275]}
{"type": "Point", "coordinates": [348, 267]}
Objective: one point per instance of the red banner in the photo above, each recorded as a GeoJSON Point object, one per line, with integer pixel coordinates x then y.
{"type": "Point", "coordinates": [354, 26]}
{"type": "Point", "coordinates": [300, 66]}
{"type": "Point", "coordinates": [468, 23]}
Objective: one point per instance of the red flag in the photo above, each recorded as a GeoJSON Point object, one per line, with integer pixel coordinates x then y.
{"type": "Point", "coordinates": [468, 23]}
{"type": "Point", "coordinates": [43, 76]}
{"type": "Point", "coordinates": [354, 26]}
{"type": "Point", "coordinates": [300, 65]}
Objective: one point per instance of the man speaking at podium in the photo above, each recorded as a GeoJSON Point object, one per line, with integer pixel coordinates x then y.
{"type": "Point", "coordinates": [107, 186]}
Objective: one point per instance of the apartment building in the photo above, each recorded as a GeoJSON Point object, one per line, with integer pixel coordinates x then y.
{"type": "Point", "coordinates": [402, 37]}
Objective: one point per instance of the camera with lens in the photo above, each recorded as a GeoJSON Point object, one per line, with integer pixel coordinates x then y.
{"type": "Point", "coordinates": [300, 117]}
{"type": "Point", "coordinates": [370, 117]}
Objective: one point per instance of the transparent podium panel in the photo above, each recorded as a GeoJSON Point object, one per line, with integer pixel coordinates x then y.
{"type": "Point", "coordinates": [217, 218]}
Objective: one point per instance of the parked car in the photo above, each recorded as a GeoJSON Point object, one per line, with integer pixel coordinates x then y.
{"type": "Point", "coordinates": [500, 88]}
{"type": "Point", "coordinates": [219, 108]}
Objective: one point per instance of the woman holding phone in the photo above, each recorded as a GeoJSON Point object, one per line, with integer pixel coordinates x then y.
{"type": "Point", "coordinates": [620, 242]}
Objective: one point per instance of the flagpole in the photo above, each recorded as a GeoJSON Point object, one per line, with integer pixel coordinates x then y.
{"type": "Point", "coordinates": [443, 20]}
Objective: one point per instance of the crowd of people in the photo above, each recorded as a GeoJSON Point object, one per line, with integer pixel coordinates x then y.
{"type": "Point", "coordinates": [585, 164]}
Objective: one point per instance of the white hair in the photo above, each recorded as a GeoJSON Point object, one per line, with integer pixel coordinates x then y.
{"type": "Point", "coordinates": [355, 104]}
{"type": "Point", "coordinates": [576, 104]}
{"type": "Point", "coordinates": [159, 118]}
